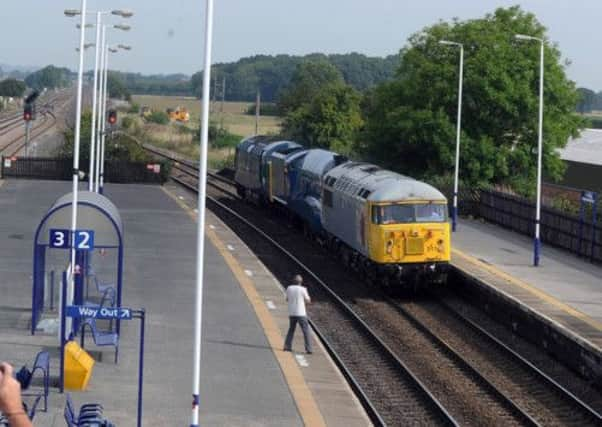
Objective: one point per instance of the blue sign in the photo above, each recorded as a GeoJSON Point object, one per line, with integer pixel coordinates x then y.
{"type": "Point", "coordinates": [118, 313]}
{"type": "Point", "coordinates": [84, 240]}
{"type": "Point", "coordinates": [59, 238]}
{"type": "Point", "coordinates": [588, 197]}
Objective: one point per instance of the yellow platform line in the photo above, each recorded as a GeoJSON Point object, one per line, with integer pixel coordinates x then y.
{"type": "Point", "coordinates": [304, 399]}
{"type": "Point", "coordinates": [529, 288]}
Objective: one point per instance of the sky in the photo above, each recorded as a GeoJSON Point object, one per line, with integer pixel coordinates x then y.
{"type": "Point", "coordinates": [167, 35]}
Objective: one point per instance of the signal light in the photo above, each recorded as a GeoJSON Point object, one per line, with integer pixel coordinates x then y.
{"type": "Point", "coordinates": [112, 117]}
{"type": "Point", "coordinates": [28, 112]}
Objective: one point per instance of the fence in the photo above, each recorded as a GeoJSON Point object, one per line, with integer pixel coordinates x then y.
{"type": "Point", "coordinates": [518, 214]}
{"type": "Point", "coordinates": [116, 171]}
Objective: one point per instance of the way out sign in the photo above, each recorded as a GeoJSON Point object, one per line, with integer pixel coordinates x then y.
{"type": "Point", "coordinates": [108, 313]}
{"type": "Point", "coordinates": [61, 239]}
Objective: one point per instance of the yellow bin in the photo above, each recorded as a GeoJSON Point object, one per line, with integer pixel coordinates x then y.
{"type": "Point", "coordinates": [78, 367]}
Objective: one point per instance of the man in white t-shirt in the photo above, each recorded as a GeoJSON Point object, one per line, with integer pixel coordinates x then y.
{"type": "Point", "coordinates": [297, 296]}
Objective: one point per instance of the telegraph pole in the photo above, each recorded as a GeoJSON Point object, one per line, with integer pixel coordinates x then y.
{"type": "Point", "coordinates": [257, 107]}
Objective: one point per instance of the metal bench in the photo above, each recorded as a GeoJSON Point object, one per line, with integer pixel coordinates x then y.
{"type": "Point", "coordinates": [41, 363]}
{"type": "Point", "coordinates": [90, 414]}
{"type": "Point", "coordinates": [101, 338]}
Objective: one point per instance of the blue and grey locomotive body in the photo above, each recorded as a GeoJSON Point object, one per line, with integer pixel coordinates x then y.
{"type": "Point", "coordinates": [253, 166]}
{"type": "Point", "coordinates": [306, 194]}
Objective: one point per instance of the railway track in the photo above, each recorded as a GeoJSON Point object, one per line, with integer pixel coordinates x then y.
{"type": "Point", "coordinates": [473, 375]}
{"type": "Point", "coordinates": [46, 120]}
{"type": "Point", "coordinates": [15, 144]}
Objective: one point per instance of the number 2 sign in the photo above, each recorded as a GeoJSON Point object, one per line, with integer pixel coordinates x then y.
{"type": "Point", "coordinates": [60, 238]}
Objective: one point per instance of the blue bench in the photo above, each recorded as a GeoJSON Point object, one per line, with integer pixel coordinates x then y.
{"type": "Point", "coordinates": [90, 414]}
{"type": "Point", "coordinates": [42, 364]}
{"type": "Point", "coordinates": [101, 338]}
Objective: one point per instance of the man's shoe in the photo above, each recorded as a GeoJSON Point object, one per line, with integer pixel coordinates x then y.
{"type": "Point", "coordinates": [309, 352]}
{"type": "Point", "coordinates": [286, 349]}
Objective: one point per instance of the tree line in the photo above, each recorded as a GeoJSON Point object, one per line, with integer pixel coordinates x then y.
{"type": "Point", "coordinates": [271, 74]}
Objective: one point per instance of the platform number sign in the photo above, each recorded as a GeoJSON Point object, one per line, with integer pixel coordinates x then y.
{"type": "Point", "coordinates": [84, 240]}
{"type": "Point", "coordinates": [60, 238]}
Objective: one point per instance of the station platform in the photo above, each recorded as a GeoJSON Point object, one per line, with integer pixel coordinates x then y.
{"type": "Point", "coordinates": [247, 380]}
{"type": "Point", "coordinates": [563, 294]}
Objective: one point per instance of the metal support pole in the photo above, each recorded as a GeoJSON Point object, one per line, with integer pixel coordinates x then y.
{"type": "Point", "coordinates": [104, 123]}
{"type": "Point", "coordinates": [94, 103]}
{"type": "Point", "coordinates": [196, 365]}
{"type": "Point", "coordinates": [101, 76]}
{"type": "Point", "coordinates": [458, 132]}
{"type": "Point", "coordinates": [78, 118]}
{"type": "Point", "coordinates": [537, 243]}
{"type": "Point", "coordinates": [257, 112]}
{"type": "Point", "coordinates": [594, 222]}
{"type": "Point", "coordinates": [142, 315]}
{"type": "Point", "coordinates": [27, 129]}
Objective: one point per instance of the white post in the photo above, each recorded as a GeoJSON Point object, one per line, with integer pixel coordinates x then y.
{"type": "Point", "coordinates": [539, 159]}
{"type": "Point", "coordinates": [104, 123]}
{"type": "Point", "coordinates": [198, 318]}
{"type": "Point", "coordinates": [78, 117]}
{"type": "Point", "coordinates": [94, 102]}
{"type": "Point", "coordinates": [101, 76]}
{"type": "Point", "coordinates": [458, 132]}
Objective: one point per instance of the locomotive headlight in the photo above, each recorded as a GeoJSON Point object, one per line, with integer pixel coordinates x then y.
{"type": "Point", "coordinates": [389, 247]}
{"type": "Point", "coordinates": [440, 246]}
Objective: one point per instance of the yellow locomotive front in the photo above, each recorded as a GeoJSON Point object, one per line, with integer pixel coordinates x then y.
{"type": "Point", "coordinates": [411, 235]}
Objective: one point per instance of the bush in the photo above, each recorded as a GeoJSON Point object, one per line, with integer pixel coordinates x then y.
{"type": "Point", "coordinates": [127, 122]}
{"type": "Point", "coordinates": [159, 117]}
{"type": "Point", "coordinates": [267, 109]}
{"type": "Point", "coordinates": [134, 108]}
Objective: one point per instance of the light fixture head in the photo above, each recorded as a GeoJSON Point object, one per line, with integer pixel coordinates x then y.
{"type": "Point", "coordinates": [72, 12]}
{"type": "Point", "coordinates": [112, 50]}
{"type": "Point", "coordinates": [123, 13]}
{"type": "Point", "coordinates": [122, 27]}
{"type": "Point", "coordinates": [124, 47]}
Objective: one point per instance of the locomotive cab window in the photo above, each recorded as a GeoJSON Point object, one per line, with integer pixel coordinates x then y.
{"type": "Point", "coordinates": [405, 213]}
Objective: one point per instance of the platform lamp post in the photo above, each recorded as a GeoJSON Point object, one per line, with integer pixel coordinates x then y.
{"type": "Point", "coordinates": [458, 129]}
{"type": "Point", "coordinates": [78, 112]}
{"type": "Point", "coordinates": [198, 314]}
{"type": "Point", "coordinates": [536, 240]}
{"type": "Point", "coordinates": [103, 109]}
{"type": "Point", "coordinates": [101, 102]}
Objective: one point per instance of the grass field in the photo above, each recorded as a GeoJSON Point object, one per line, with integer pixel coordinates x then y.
{"type": "Point", "coordinates": [233, 117]}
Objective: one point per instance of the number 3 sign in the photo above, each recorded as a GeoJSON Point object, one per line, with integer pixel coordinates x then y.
{"type": "Point", "coordinates": [84, 239]}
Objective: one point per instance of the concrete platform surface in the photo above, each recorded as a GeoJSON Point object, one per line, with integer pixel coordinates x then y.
{"type": "Point", "coordinates": [246, 379]}
{"type": "Point", "coordinates": [564, 288]}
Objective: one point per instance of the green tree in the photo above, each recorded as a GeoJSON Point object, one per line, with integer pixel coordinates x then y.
{"type": "Point", "coordinates": [12, 87]}
{"type": "Point", "coordinates": [116, 87]}
{"type": "Point", "coordinates": [331, 119]}
{"type": "Point", "coordinates": [49, 77]}
{"type": "Point", "coordinates": [411, 121]}
{"type": "Point", "coordinates": [306, 83]}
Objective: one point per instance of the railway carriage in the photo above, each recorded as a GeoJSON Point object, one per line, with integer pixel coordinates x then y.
{"type": "Point", "coordinates": [392, 227]}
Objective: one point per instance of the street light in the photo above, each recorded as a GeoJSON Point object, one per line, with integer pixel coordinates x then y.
{"type": "Point", "coordinates": [95, 160]}
{"type": "Point", "coordinates": [536, 242]}
{"type": "Point", "coordinates": [458, 130]}
{"type": "Point", "coordinates": [78, 117]}
{"type": "Point", "coordinates": [86, 46]}
{"type": "Point", "coordinates": [124, 47]}
{"type": "Point", "coordinates": [99, 46]}
{"type": "Point", "coordinates": [198, 312]}
{"type": "Point", "coordinates": [100, 158]}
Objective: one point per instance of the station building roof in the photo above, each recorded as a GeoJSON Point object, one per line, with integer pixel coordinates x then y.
{"type": "Point", "coordinates": [587, 148]}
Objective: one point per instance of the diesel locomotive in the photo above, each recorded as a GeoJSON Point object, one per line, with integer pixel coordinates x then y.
{"type": "Point", "coordinates": [390, 227]}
